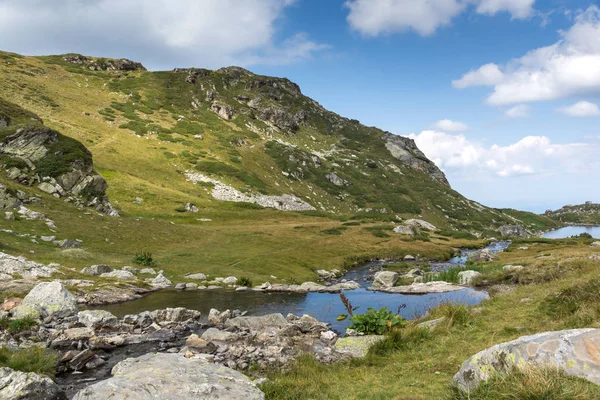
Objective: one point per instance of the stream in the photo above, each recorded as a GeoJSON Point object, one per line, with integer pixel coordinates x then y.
{"type": "Point", "coordinates": [323, 306]}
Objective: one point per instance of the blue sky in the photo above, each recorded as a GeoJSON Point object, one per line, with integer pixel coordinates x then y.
{"type": "Point", "coordinates": [517, 81]}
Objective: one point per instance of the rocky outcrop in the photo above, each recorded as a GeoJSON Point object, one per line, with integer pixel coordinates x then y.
{"type": "Point", "coordinates": [55, 164]}
{"type": "Point", "coordinates": [16, 385]}
{"type": "Point", "coordinates": [286, 202]}
{"type": "Point", "coordinates": [356, 346]}
{"type": "Point", "coordinates": [419, 223]}
{"type": "Point", "coordinates": [466, 277]}
{"type": "Point", "coordinates": [103, 64]}
{"type": "Point", "coordinates": [406, 151]}
{"type": "Point", "coordinates": [171, 376]}
{"type": "Point", "coordinates": [12, 267]}
{"type": "Point", "coordinates": [574, 352]}
{"type": "Point", "coordinates": [47, 299]}
{"type": "Point", "coordinates": [513, 231]}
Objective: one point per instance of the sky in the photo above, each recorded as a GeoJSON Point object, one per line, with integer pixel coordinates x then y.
{"type": "Point", "coordinates": [502, 94]}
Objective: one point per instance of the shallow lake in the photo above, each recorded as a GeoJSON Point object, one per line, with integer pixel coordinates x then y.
{"type": "Point", "coordinates": [569, 231]}
{"type": "Point", "coordinates": [323, 306]}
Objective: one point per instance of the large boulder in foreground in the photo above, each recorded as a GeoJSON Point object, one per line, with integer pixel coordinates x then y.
{"type": "Point", "coordinates": [576, 352]}
{"type": "Point", "coordinates": [385, 279]}
{"type": "Point", "coordinates": [47, 298]}
{"type": "Point", "coordinates": [16, 385]}
{"type": "Point", "coordinates": [171, 377]}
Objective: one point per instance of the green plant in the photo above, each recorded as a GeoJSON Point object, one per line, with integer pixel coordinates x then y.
{"type": "Point", "coordinates": [32, 359]}
{"type": "Point", "coordinates": [17, 325]}
{"type": "Point", "coordinates": [376, 322]}
{"type": "Point", "coordinates": [334, 231]}
{"type": "Point", "coordinates": [245, 281]}
{"type": "Point", "coordinates": [180, 209]}
{"type": "Point", "coordinates": [144, 258]}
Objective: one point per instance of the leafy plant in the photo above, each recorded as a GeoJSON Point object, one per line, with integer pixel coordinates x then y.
{"type": "Point", "coordinates": [376, 322]}
{"type": "Point", "coordinates": [144, 258]}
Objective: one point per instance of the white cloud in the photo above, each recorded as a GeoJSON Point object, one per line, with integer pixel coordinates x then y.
{"type": "Point", "coordinates": [517, 8]}
{"type": "Point", "coordinates": [376, 17]}
{"type": "Point", "coordinates": [486, 75]}
{"type": "Point", "coordinates": [530, 155]}
{"type": "Point", "coordinates": [161, 33]}
{"type": "Point", "coordinates": [569, 67]}
{"type": "Point", "coordinates": [518, 111]}
{"type": "Point", "coordinates": [450, 126]}
{"type": "Point", "coordinates": [581, 109]}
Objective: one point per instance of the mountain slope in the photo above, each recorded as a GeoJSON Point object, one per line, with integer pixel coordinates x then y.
{"type": "Point", "coordinates": [586, 214]}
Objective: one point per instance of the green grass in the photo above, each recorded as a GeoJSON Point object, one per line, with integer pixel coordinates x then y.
{"type": "Point", "coordinates": [33, 359]}
{"type": "Point", "coordinates": [17, 325]}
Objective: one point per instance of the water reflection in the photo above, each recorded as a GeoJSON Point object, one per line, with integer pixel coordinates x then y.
{"type": "Point", "coordinates": [569, 231]}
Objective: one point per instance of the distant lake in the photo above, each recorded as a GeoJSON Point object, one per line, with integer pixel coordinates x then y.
{"type": "Point", "coordinates": [569, 231]}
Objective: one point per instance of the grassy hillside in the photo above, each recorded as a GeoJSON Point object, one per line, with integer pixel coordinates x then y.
{"type": "Point", "coordinates": [585, 214]}
{"type": "Point", "coordinates": [260, 135]}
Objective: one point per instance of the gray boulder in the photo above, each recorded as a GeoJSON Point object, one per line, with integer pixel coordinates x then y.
{"type": "Point", "coordinates": [118, 274]}
{"type": "Point", "coordinates": [385, 279]}
{"type": "Point", "coordinates": [16, 385]}
{"type": "Point", "coordinates": [356, 346]}
{"type": "Point", "coordinates": [171, 377]}
{"type": "Point", "coordinates": [47, 298]}
{"type": "Point", "coordinates": [405, 230]}
{"type": "Point", "coordinates": [513, 231]}
{"type": "Point", "coordinates": [160, 281]}
{"type": "Point", "coordinates": [419, 223]}
{"type": "Point", "coordinates": [200, 277]}
{"type": "Point", "coordinates": [257, 323]}
{"type": "Point", "coordinates": [466, 277]}
{"type": "Point", "coordinates": [573, 351]}
{"type": "Point", "coordinates": [96, 318]}
{"type": "Point", "coordinates": [95, 270]}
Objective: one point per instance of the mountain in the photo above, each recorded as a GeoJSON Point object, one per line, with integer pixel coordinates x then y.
{"type": "Point", "coordinates": [585, 214]}
{"type": "Point", "coordinates": [220, 170]}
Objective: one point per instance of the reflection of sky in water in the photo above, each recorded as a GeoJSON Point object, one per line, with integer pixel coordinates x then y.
{"type": "Point", "coordinates": [323, 306]}
{"type": "Point", "coordinates": [569, 231]}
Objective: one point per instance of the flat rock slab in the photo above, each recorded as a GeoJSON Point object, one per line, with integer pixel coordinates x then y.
{"type": "Point", "coordinates": [28, 386]}
{"type": "Point", "coordinates": [420, 288]}
{"type": "Point", "coordinates": [575, 351]}
{"type": "Point", "coordinates": [171, 377]}
{"type": "Point", "coordinates": [356, 346]}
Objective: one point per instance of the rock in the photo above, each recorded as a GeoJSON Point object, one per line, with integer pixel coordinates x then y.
{"type": "Point", "coordinates": [420, 288]}
{"type": "Point", "coordinates": [575, 352]}
{"type": "Point", "coordinates": [405, 230]}
{"type": "Point", "coordinates": [306, 323]}
{"type": "Point", "coordinates": [179, 314]}
{"type": "Point", "coordinates": [482, 255]}
{"type": "Point", "coordinates": [257, 323]}
{"type": "Point", "coordinates": [28, 270]}
{"type": "Point", "coordinates": [200, 277]}
{"type": "Point", "coordinates": [81, 359]}
{"type": "Point", "coordinates": [161, 281]}
{"type": "Point", "coordinates": [466, 277]}
{"type": "Point", "coordinates": [215, 317]}
{"type": "Point", "coordinates": [191, 286]}
{"type": "Point", "coordinates": [47, 238]}
{"type": "Point", "coordinates": [385, 279]}
{"type": "Point", "coordinates": [224, 111]}
{"type": "Point", "coordinates": [180, 286]}
{"type": "Point", "coordinates": [328, 336]}
{"type": "Point", "coordinates": [16, 385]}
{"type": "Point", "coordinates": [431, 324]}
{"type": "Point", "coordinates": [406, 151]}
{"type": "Point", "coordinates": [48, 188]}
{"type": "Point", "coordinates": [419, 223]}
{"type": "Point", "coordinates": [96, 270]}
{"type": "Point", "coordinates": [70, 244]}
{"type": "Point", "coordinates": [169, 377]}
{"type": "Point", "coordinates": [66, 337]}
{"type": "Point", "coordinates": [9, 216]}
{"type": "Point", "coordinates": [129, 268]}
{"type": "Point", "coordinates": [356, 346]}
{"type": "Point", "coordinates": [47, 299]}
{"type": "Point", "coordinates": [216, 335]}
{"type": "Point", "coordinates": [408, 257]}
{"type": "Point", "coordinates": [230, 280]}
{"type": "Point", "coordinates": [97, 318]}
{"type": "Point", "coordinates": [595, 244]}
{"type": "Point", "coordinates": [241, 289]}
{"type": "Point", "coordinates": [512, 268]}
{"type": "Point", "coordinates": [191, 208]}
{"type": "Point", "coordinates": [200, 345]}
{"type": "Point", "coordinates": [10, 303]}
{"type": "Point", "coordinates": [336, 180]}
{"type": "Point", "coordinates": [147, 271]}
{"type": "Point", "coordinates": [513, 231]}
{"type": "Point", "coordinates": [118, 274]}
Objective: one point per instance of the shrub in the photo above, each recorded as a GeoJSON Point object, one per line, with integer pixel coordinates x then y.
{"type": "Point", "coordinates": [245, 281]}
{"type": "Point", "coordinates": [144, 258]}
{"type": "Point", "coordinates": [376, 322]}
{"type": "Point", "coordinates": [32, 359]}
{"type": "Point", "coordinates": [334, 231]}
